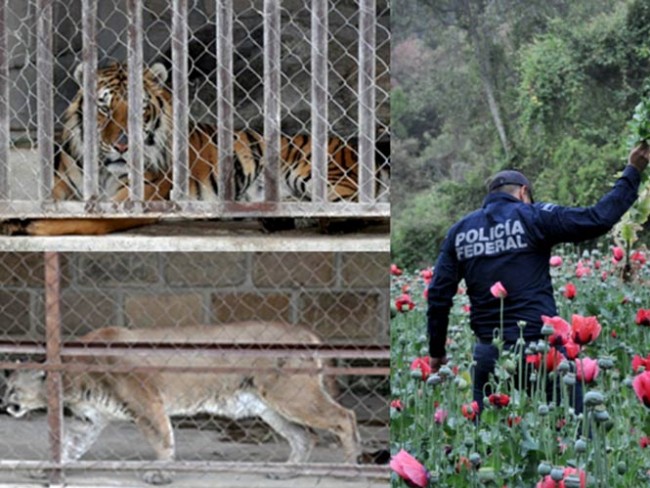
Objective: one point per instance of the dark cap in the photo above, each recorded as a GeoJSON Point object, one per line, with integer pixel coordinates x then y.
{"type": "Point", "coordinates": [509, 177]}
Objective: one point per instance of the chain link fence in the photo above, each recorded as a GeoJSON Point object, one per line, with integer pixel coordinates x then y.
{"type": "Point", "coordinates": [257, 357]}
{"type": "Point", "coordinates": [226, 107]}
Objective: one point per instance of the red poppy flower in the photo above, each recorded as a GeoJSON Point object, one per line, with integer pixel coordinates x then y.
{"type": "Point", "coordinates": [409, 469]}
{"type": "Point", "coordinates": [641, 385]}
{"type": "Point", "coordinates": [513, 420]}
{"type": "Point", "coordinates": [427, 275]}
{"type": "Point", "coordinates": [643, 316]}
{"type": "Point", "coordinates": [597, 264]}
{"type": "Point", "coordinates": [570, 291]}
{"type": "Point", "coordinates": [548, 482]}
{"type": "Point", "coordinates": [585, 329]}
{"type": "Point", "coordinates": [469, 410]}
{"type": "Point", "coordinates": [499, 399]}
{"type": "Point", "coordinates": [534, 359]}
{"type": "Point", "coordinates": [397, 405]}
{"type": "Point", "coordinates": [555, 261]}
{"type": "Point", "coordinates": [572, 349]}
{"type": "Point", "coordinates": [466, 308]}
{"type": "Point", "coordinates": [394, 270]}
{"type": "Point", "coordinates": [639, 257]}
{"type": "Point", "coordinates": [403, 303]}
{"type": "Point", "coordinates": [587, 368]}
{"type": "Point", "coordinates": [561, 328]}
{"type": "Point", "coordinates": [424, 365]}
{"type": "Point", "coordinates": [644, 442]}
{"type": "Point", "coordinates": [618, 253]}
{"type": "Point", "coordinates": [638, 362]}
{"type": "Point", "coordinates": [498, 290]}
{"type": "Point", "coordinates": [553, 359]}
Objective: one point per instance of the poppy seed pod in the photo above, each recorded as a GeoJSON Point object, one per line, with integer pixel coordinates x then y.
{"type": "Point", "coordinates": [594, 398]}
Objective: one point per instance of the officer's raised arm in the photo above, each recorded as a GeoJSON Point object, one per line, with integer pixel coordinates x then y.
{"type": "Point", "coordinates": [440, 294]}
{"type": "Point", "coordinates": [574, 224]}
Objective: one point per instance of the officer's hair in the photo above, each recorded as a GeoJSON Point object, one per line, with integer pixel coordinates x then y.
{"type": "Point", "coordinates": [510, 189]}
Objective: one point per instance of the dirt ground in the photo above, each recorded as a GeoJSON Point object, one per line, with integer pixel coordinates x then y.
{"type": "Point", "coordinates": [26, 440]}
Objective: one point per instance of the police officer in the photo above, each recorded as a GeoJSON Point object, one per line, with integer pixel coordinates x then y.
{"type": "Point", "coordinates": [509, 240]}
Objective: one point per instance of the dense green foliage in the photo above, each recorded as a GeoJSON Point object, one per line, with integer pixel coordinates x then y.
{"type": "Point", "coordinates": [547, 87]}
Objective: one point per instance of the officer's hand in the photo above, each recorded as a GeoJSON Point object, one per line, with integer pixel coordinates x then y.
{"type": "Point", "coordinates": [436, 363]}
{"type": "Point", "coordinates": [639, 156]}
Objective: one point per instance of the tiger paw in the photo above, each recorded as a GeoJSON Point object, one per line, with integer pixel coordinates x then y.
{"type": "Point", "coordinates": [157, 477]}
{"type": "Point", "coordinates": [13, 227]}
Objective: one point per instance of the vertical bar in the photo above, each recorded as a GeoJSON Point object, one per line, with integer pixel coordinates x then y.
{"type": "Point", "coordinates": [44, 97]}
{"type": "Point", "coordinates": [89, 58]}
{"type": "Point", "coordinates": [53, 357]}
{"type": "Point", "coordinates": [319, 115]}
{"type": "Point", "coordinates": [367, 46]}
{"type": "Point", "coordinates": [135, 130]}
{"type": "Point", "coordinates": [225, 122]}
{"type": "Point", "coordinates": [4, 104]}
{"type": "Point", "coordinates": [180, 100]}
{"type": "Point", "coordinates": [272, 68]}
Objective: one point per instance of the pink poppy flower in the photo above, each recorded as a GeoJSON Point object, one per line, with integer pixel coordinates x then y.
{"type": "Point", "coordinates": [587, 368]}
{"type": "Point", "coordinates": [409, 469]}
{"type": "Point", "coordinates": [639, 257]}
{"type": "Point", "coordinates": [555, 261]}
{"type": "Point", "coordinates": [561, 328]}
{"type": "Point", "coordinates": [618, 253]}
{"type": "Point", "coordinates": [638, 362]}
{"type": "Point", "coordinates": [404, 303]}
{"type": "Point", "coordinates": [498, 290]}
{"type": "Point", "coordinates": [394, 270]}
{"type": "Point", "coordinates": [397, 405]}
{"type": "Point", "coordinates": [641, 385]}
{"type": "Point", "coordinates": [440, 415]}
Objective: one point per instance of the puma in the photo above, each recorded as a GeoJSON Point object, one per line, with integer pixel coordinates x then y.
{"type": "Point", "coordinates": [287, 402]}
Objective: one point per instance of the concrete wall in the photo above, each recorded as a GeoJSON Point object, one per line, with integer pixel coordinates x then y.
{"type": "Point", "coordinates": [343, 297]}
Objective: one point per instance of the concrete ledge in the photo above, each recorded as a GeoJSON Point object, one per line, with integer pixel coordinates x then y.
{"type": "Point", "coordinates": [207, 237]}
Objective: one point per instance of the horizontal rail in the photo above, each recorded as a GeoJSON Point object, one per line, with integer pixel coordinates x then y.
{"type": "Point", "coordinates": [306, 469]}
{"type": "Point", "coordinates": [207, 243]}
{"type": "Point", "coordinates": [25, 209]}
{"type": "Point", "coordinates": [115, 368]}
{"type": "Point", "coordinates": [320, 351]}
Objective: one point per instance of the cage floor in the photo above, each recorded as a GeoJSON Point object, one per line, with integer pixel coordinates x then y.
{"type": "Point", "coordinates": [26, 440]}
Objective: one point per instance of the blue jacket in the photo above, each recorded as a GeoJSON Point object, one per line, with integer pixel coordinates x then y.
{"type": "Point", "coordinates": [510, 241]}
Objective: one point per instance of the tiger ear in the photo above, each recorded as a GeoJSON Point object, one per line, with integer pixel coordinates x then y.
{"type": "Point", "coordinates": [160, 72]}
{"type": "Point", "coordinates": [79, 74]}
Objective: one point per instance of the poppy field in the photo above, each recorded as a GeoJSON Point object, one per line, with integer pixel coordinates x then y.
{"type": "Point", "coordinates": [522, 438]}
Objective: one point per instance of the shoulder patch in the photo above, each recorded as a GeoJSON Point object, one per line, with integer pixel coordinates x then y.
{"type": "Point", "coordinates": [546, 207]}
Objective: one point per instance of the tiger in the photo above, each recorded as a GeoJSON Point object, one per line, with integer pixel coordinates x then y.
{"type": "Point", "coordinates": [114, 155]}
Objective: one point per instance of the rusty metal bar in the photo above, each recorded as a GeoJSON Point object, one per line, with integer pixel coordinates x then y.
{"type": "Point", "coordinates": [272, 70]}
{"type": "Point", "coordinates": [27, 209]}
{"type": "Point", "coordinates": [135, 121]}
{"type": "Point", "coordinates": [115, 368]}
{"type": "Point", "coordinates": [90, 129]}
{"type": "Point", "coordinates": [367, 52]}
{"type": "Point", "coordinates": [275, 350]}
{"type": "Point", "coordinates": [319, 114]}
{"type": "Point", "coordinates": [44, 97]}
{"type": "Point", "coordinates": [306, 469]}
{"type": "Point", "coordinates": [53, 359]}
{"type": "Point", "coordinates": [4, 104]}
{"type": "Point", "coordinates": [225, 120]}
{"type": "Point", "coordinates": [180, 101]}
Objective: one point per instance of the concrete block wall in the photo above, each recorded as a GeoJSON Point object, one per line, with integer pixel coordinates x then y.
{"type": "Point", "coordinates": [342, 297]}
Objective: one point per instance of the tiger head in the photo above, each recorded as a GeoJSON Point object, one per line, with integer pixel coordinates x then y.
{"type": "Point", "coordinates": [112, 117]}
{"type": "Point", "coordinates": [25, 391]}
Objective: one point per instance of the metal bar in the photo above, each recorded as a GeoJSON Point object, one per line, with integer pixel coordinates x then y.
{"type": "Point", "coordinates": [114, 368]}
{"type": "Point", "coordinates": [367, 48]}
{"type": "Point", "coordinates": [306, 469]}
{"type": "Point", "coordinates": [90, 129]}
{"type": "Point", "coordinates": [272, 70]}
{"type": "Point", "coordinates": [319, 114]}
{"type": "Point", "coordinates": [135, 121]}
{"type": "Point", "coordinates": [180, 101]}
{"type": "Point", "coordinates": [44, 97]}
{"type": "Point", "coordinates": [53, 359]}
{"type": "Point", "coordinates": [4, 104]}
{"type": "Point", "coordinates": [24, 209]}
{"type": "Point", "coordinates": [225, 120]}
